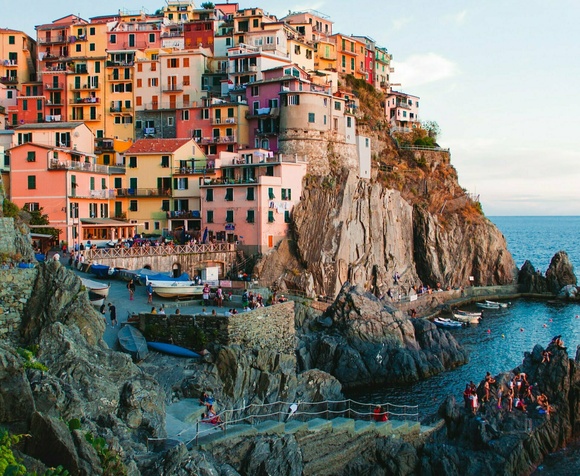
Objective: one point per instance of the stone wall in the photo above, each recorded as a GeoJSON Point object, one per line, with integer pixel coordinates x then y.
{"type": "Point", "coordinates": [16, 288]}
{"type": "Point", "coordinates": [270, 327]}
{"type": "Point", "coordinates": [7, 236]}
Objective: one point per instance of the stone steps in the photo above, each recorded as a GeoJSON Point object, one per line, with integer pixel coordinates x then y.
{"type": "Point", "coordinates": [319, 424]}
{"type": "Point", "coordinates": [220, 437]}
{"type": "Point", "coordinates": [270, 427]}
{"type": "Point", "coordinates": [295, 426]}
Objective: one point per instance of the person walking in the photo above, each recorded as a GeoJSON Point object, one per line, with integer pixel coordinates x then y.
{"type": "Point", "coordinates": [113, 314]}
{"type": "Point", "coordinates": [102, 309]}
{"type": "Point", "coordinates": [131, 288]}
{"type": "Point", "coordinates": [205, 292]}
{"type": "Point", "coordinates": [149, 293]}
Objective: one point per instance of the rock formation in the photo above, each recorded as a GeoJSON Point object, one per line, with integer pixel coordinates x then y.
{"type": "Point", "coordinates": [361, 341]}
{"type": "Point", "coordinates": [559, 279]}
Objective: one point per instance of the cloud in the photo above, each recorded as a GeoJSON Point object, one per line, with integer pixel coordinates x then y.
{"type": "Point", "coordinates": [422, 69]}
{"type": "Point", "coordinates": [457, 18]}
{"type": "Point", "coordinates": [400, 23]}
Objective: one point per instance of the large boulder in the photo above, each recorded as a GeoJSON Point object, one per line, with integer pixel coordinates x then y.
{"type": "Point", "coordinates": [560, 273]}
{"type": "Point", "coordinates": [530, 280]}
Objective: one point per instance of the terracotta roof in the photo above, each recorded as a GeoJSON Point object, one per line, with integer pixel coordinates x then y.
{"type": "Point", "coordinates": [155, 146]}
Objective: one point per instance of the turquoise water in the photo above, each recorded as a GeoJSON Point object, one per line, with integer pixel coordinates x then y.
{"type": "Point", "coordinates": [498, 343]}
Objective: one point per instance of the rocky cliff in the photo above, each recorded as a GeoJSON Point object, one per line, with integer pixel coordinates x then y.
{"type": "Point", "coordinates": [559, 279]}
{"type": "Point", "coordinates": [362, 341]}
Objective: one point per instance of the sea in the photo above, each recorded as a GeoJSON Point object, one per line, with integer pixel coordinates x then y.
{"type": "Point", "coordinates": [499, 342]}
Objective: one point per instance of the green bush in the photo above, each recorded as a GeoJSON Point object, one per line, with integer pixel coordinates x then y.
{"type": "Point", "coordinates": [10, 209]}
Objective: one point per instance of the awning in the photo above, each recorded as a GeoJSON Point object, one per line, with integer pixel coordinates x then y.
{"type": "Point", "coordinates": [40, 235]}
{"type": "Point", "coordinates": [110, 222]}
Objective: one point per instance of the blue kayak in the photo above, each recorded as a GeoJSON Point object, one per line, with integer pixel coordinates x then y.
{"type": "Point", "coordinates": [172, 349]}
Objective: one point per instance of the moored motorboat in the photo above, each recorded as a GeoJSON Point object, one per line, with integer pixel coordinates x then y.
{"type": "Point", "coordinates": [133, 342]}
{"type": "Point", "coordinates": [443, 322]}
{"type": "Point", "coordinates": [467, 313]}
{"type": "Point", "coordinates": [499, 304]}
{"type": "Point", "coordinates": [467, 319]}
{"type": "Point", "coordinates": [96, 288]}
{"type": "Point", "coordinates": [487, 305]}
{"type": "Point", "coordinates": [96, 301]}
{"type": "Point", "coordinates": [176, 289]}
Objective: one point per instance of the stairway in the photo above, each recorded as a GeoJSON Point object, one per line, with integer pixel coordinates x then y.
{"type": "Point", "coordinates": [184, 422]}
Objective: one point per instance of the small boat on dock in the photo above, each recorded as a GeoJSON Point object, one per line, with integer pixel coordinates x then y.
{"type": "Point", "coordinates": [95, 288]}
{"type": "Point", "coordinates": [446, 323]}
{"type": "Point", "coordinates": [133, 342]}
{"type": "Point", "coordinates": [467, 313]}
{"type": "Point", "coordinates": [176, 289]}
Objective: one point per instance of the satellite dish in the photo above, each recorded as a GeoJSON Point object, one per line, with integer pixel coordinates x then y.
{"type": "Point", "coordinates": [76, 134]}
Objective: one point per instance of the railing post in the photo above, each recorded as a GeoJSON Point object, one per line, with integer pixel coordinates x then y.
{"type": "Point", "coordinates": [327, 410]}
{"type": "Point", "coordinates": [197, 433]}
{"type": "Point", "coordinates": [348, 408]}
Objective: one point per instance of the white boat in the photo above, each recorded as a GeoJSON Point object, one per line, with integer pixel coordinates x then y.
{"type": "Point", "coordinates": [466, 313]}
{"type": "Point", "coordinates": [443, 322]}
{"type": "Point", "coordinates": [467, 319]}
{"type": "Point", "coordinates": [97, 302]}
{"type": "Point", "coordinates": [486, 305]}
{"type": "Point", "coordinates": [176, 289]}
{"type": "Point", "coordinates": [499, 304]}
{"type": "Point", "coordinates": [96, 288]}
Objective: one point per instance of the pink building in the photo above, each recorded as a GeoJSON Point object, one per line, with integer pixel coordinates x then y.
{"type": "Point", "coordinates": [402, 111]}
{"type": "Point", "coordinates": [252, 198]}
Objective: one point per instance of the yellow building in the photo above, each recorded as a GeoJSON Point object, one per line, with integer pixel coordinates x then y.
{"type": "Point", "coordinates": [17, 58]}
{"type": "Point", "coordinates": [160, 181]}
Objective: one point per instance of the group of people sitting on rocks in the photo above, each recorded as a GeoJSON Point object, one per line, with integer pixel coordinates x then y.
{"type": "Point", "coordinates": [517, 394]}
{"type": "Point", "coordinates": [210, 416]}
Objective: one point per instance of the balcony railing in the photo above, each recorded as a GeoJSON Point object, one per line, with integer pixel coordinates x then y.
{"type": "Point", "coordinates": [8, 80]}
{"type": "Point", "coordinates": [218, 140]}
{"type": "Point", "coordinates": [102, 253]}
{"type": "Point", "coordinates": [9, 63]}
{"type": "Point", "coordinates": [54, 86]}
{"type": "Point", "coordinates": [104, 145]}
{"type": "Point", "coordinates": [171, 88]}
{"type": "Point", "coordinates": [143, 192]}
{"type": "Point", "coordinates": [120, 77]}
{"type": "Point", "coordinates": [53, 118]}
{"type": "Point", "coordinates": [83, 101]}
{"type": "Point", "coordinates": [102, 194]}
{"type": "Point", "coordinates": [53, 39]}
{"type": "Point", "coordinates": [86, 87]}
{"type": "Point", "coordinates": [216, 121]}
{"type": "Point", "coordinates": [120, 109]}
{"type": "Point", "coordinates": [192, 170]}
{"type": "Point", "coordinates": [85, 117]}
{"type": "Point", "coordinates": [56, 164]}
{"type": "Point", "coordinates": [182, 215]}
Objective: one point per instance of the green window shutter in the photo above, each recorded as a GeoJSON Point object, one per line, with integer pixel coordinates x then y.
{"type": "Point", "coordinates": [229, 216]}
{"type": "Point", "coordinates": [271, 195]}
{"type": "Point", "coordinates": [286, 216]}
{"type": "Point", "coordinates": [210, 216]}
{"type": "Point", "coordinates": [250, 217]}
{"type": "Point", "coordinates": [270, 216]}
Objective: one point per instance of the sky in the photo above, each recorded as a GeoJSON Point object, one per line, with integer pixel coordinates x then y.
{"type": "Point", "coordinates": [500, 78]}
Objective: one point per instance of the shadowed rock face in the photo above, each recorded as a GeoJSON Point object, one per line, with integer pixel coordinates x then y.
{"type": "Point", "coordinates": [360, 341]}
{"type": "Point", "coordinates": [559, 275]}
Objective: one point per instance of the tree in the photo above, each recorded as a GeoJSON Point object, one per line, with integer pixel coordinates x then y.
{"type": "Point", "coordinates": [432, 128]}
{"type": "Point", "coordinates": [39, 218]}
{"type": "Point", "coordinates": [207, 6]}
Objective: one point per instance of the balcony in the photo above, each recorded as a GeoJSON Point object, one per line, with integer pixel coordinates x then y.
{"type": "Point", "coordinates": [216, 121]}
{"type": "Point", "coordinates": [53, 118]}
{"type": "Point", "coordinates": [192, 170]}
{"type": "Point", "coordinates": [104, 145]}
{"type": "Point", "coordinates": [85, 117]}
{"type": "Point", "coordinates": [143, 192]}
{"type": "Point", "coordinates": [84, 87]}
{"type": "Point", "coordinates": [263, 112]}
{"type": "Point", "coordinates": [120, 77]}
{"type": "Point", "coordinates": [119, 64]}
{"type": "Point", "coordinates": [56, 164]}
{"type": "Point", "coordinates": [55, 102]}
{"type": "Point", "coordinates": [218, 140]}
{"type": "Point", "coordinates": [51, 40]}
{"type": "Point", "coordinates": [403, 104]}
{"type": "Point", "coordinates": [83, 101]}
{"type": "Point", "coordinates": [172, 88]}
{"type": "Point", "coordinates": [102, 194]}
{"type": "Point", "coordinates": [149, 130]}
{"type": "Point", "coordinates": [119, 109]}
{"type": "Point", "coordinates": [266, 132]}
{"type": "Point", "coordinates": [10, 63]}
{"type": "Point", "coordinates": [8, 80]}
{"type": "Point", "coordinates": [183, 215]}
{"type": "Point", "coordinates": [53, 87]}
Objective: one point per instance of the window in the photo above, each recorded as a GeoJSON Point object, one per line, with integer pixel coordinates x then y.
{"type": "Point", "coordinates": [93, 210]}
{"type": "Point", "coordinates": [337, 106]}
{"type": "Point", "coordinates": [165, 205]}
{"type": "Point", "coordinates": [118, 182]}
{"type": "Point", "coordinates": [209, 195]}
{"type": "Point", "coordinates": [270, 216]}
{"type": "Point", "coordinates": [92, 183]}
{"type": "Point", "coordinates": [133, 162]}
{"type": "Point", "coordinates": [229, 216]}
{"type": "Point", "coordinates": [156, 225]}
{"type": "Point", "coordinates": [250, 216]}
{"type": "Point", "coordinates": [133, 205]}
{"type": "Point", "coordinates": [209, 216]}
{"type": "Point", "coordinates": [271, 195]}
{"type": "Point", "coordinates": [270, 171]}
{"type": "Point", "coordinates": [151, 37]}
{"type": "Point", "coordinates": [32, 182]}
{"type": "Point", "coordinates": [294, 100]}
{"type": "Point", "coordinates": [74, 210]}
{"type": "Point", "coordinates": [180, 183]}
{"type": "Point", "coordinates": [11, 40]}
{"type": "Point", "coordinates": [78, 47]}
{"type": "Point", "coordinates": [229, 194]}
{"type": "Point", "coordinates": [25, 104]}
{"type": "Point", "coordinates": [170, 121]}
{"type": "Point", "coordinates": [286, 216]}
{"type": "Point", "coordinates": [92, 47]}
{"type": "Point", "coordinates": [352, 64]}
{"type": "Point", "coordinates": [165, 161]}
{"type": "Point", "coordinates": [250, 193]}
{"type": "Point", "coordinates": [286, 194]}
{"type": "Point", "coordinates": [173, 62]}
{"type": "Point", "coordinates": [256, 23]}
{"type": "Point", "coordinates": [104, 184]}
{"type": "Point", "coordinates": [311, 117]}
{"type": "Point", "coordinates": [113, 39]}
{"type": "Point", "coordinates": [297, 49]}
{"type": "Point", "coordinates": [33, 206]}
{"type": "Point", "coordinates": [186, 80]}
{"type": "Point", "coordinates": [31, 156]}
{"type": "Point", "coordinates": [255, 91]}
{"type": "Point", "coordinates": [185, 115]}
{"type": "Point", "coordinates": [92, 31]}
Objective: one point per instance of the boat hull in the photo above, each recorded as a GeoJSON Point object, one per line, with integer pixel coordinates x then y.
{"type": "Point", "coordinates": [133, 342]}
{"type": "Point", "coordinates": [172, 349]}
{"type": "Point", "coordinates": [484, 305]}
{"type": "Point", "coordinates": [446, 323]}
{"type": "Point", "coordinates": [96, 288]}
{"type": "Point", "coordinates": [467, 319]}
{"type": "Point", "coordinates": [176, 289]}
